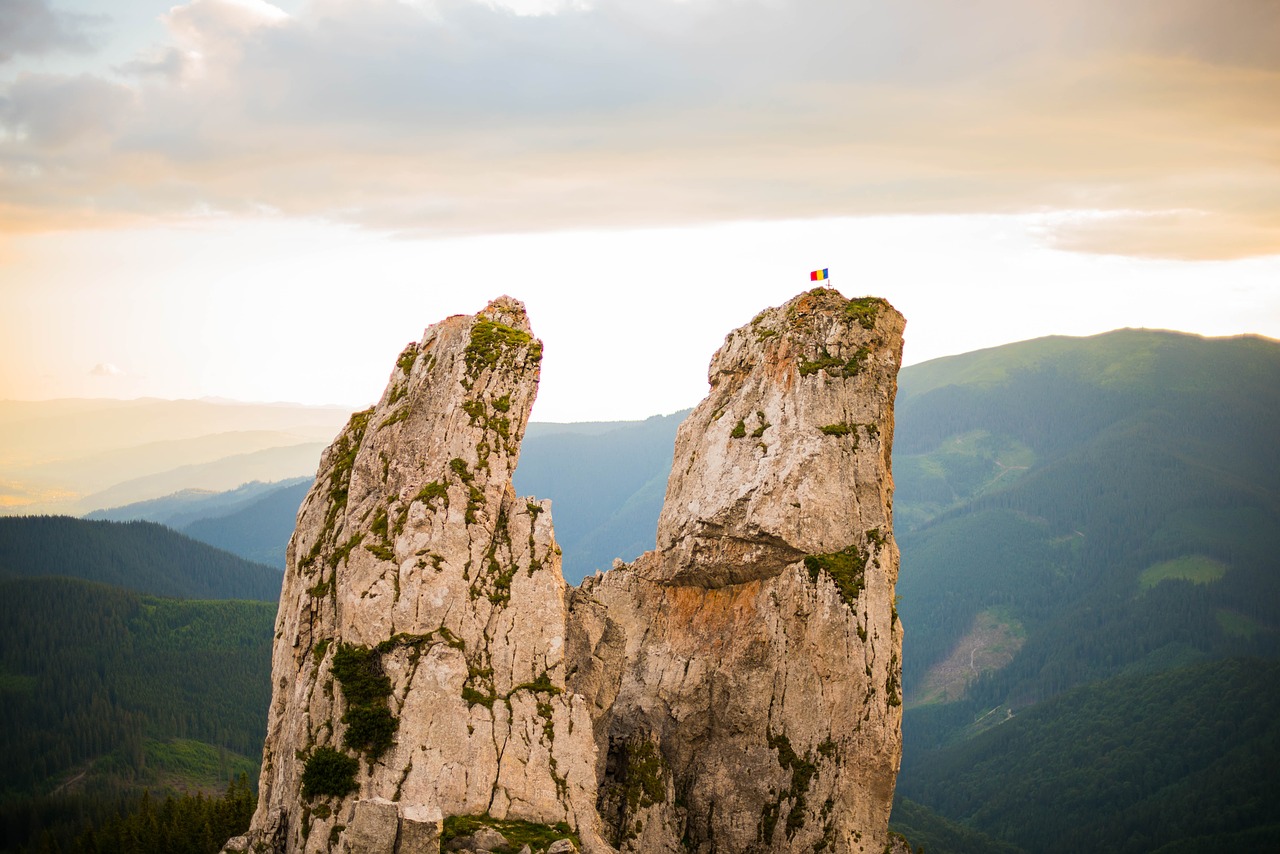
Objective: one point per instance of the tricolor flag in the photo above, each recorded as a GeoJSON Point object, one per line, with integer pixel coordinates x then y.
{"type": "Point", "coordinates": [819, 275]}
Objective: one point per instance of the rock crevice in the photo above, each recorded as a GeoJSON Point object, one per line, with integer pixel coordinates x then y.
{"type": "Point", "coordinates": [734, 690]}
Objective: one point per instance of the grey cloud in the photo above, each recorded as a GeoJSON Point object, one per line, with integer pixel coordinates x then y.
{"type": "Point", "coordinates": [34, 27]}
{"type": "Point", "coordinates": [165, 64]}
{"type": "Point", "coordinates": [382, 61]}
{"type": "Point", "coordinates": [462, 117]}
{"type": "Point", "coordinates": [56, 110]}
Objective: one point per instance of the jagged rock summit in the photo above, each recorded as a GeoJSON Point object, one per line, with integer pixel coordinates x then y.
{"type": "Point", "coordinates": [736, 690]}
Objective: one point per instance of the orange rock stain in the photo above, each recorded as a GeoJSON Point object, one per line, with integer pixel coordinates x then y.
{"type": "Point", "coordinates": [708, 619]}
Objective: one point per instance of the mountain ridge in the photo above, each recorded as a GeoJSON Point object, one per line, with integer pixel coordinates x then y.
{"type": "Point", "coordinates": [140, 556]}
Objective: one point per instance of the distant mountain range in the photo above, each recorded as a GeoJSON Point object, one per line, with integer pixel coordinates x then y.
{"type": "Point", "coordinates": [76, 456]}
{"type": "Point", "coordinates": [606, 482]}
{"type": "Point", "coordinates": [253, 521]}
{"type": "Point", "coordinates": [180, 509]}
{"type": "Point", "coordinates": [1090, 585]}
{"type": "Point", "coordinates": [605, 503]}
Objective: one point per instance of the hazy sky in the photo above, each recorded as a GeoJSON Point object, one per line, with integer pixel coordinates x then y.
{"type": "Point", "coordinates": [257, 201]}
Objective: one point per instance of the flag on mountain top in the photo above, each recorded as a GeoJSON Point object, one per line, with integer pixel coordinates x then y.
{"type": "Point", "coordinates": [819, 275]}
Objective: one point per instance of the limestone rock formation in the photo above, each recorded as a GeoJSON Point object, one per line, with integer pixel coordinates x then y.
{"type": "Point", "coordinates": [419, 656]}
{"type": "Point", "coordinates": [735, 690]}
{"type": "Point", "coordinates": [744, 677]}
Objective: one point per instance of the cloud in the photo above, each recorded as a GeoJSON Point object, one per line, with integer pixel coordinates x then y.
{"type": "Point", "coordinates": [461, 117]}
{"type": "Point", "coordinates": [52, 111]}
{"type": "Point", "coordinates": [105, 369]}
{"type": "Point", "coordinates": [32, 27]}
{"type": "Point", "coordinates": [215, 31]}
{"type": "Point", "coordinates": [166, 64]}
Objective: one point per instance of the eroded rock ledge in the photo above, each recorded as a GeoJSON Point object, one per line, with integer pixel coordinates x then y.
{"type": "Point", "coordinates": [735, 690]}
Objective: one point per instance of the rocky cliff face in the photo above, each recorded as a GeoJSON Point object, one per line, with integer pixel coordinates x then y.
{"type": "Point", "coordinates": [735, 690]}
{"type": "Point", "coordinates": [745, 674]}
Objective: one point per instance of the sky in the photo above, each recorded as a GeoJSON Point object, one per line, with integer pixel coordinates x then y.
{"type": "Point", "coordinates": [258, 201]}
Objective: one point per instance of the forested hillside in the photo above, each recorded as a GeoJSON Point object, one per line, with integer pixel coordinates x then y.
{"type": "Point", "coordinates": [1182, 760]}
{"type": "Point", "coordinates": [139, 556]}
{"type": "Point", "coordinates": [1117, 498]}
{"type": "Point", "coordinates": [1080, 514]}
{"type": "Point", "coordinates": [106, 690]}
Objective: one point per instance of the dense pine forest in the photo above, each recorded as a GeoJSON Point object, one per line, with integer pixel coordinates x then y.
{"type": "Point", "coordinates": [90, 669]}
{"type": "Point", "coordinates": [1178, 760]}
{"type": "Point", "coordinates": [182, 823]}
{"type": "Point", "coordinates": [107, 693]}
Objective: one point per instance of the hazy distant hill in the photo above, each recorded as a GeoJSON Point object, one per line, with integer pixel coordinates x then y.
{"type": "Point", "coordinates": [270, 465]}
{"type": "Point", "coordinates": [254, 520]}
{"type": "Point", "coordinates": [140, 556]}
{"type": "Point", "coordinates": [76, 456]}
{"type": "Point", "coordinates": [40, 431]}
{"type": "Point", "coordinates": [103, 470]}
{"type": "Point", "coordinates": [606, 482]}
{"type": "Point", "coordinates": [260, 529]}
{"type": "Point", "coordinates": [189, 505]}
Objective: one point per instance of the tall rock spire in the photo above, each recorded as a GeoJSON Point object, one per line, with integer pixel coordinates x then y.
{"type": "Point", "coordinates": [734, 690]}
{"type": "Point", "coordinates": [789, 453]}
{"type": "Point", "coordinates": [419, 663]}
{"type": "Point", "coordinates": [745, 676]}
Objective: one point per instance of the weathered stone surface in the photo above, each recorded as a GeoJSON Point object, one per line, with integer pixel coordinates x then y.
{"type": "Point", "coordinates": [420, 828]}
{"type": "Point", "coordinates": [756, 484]}
{"type": "Point", "coordinates": [488, 839]}
{"type": "Point", "coordinates": [734, 690]}
{"type": "Point", "coordinates": [758, 704]}
{"type": "Point", "coordinates": [415, 566]}
{"type": "Point", "coordinates": [373, 827]}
